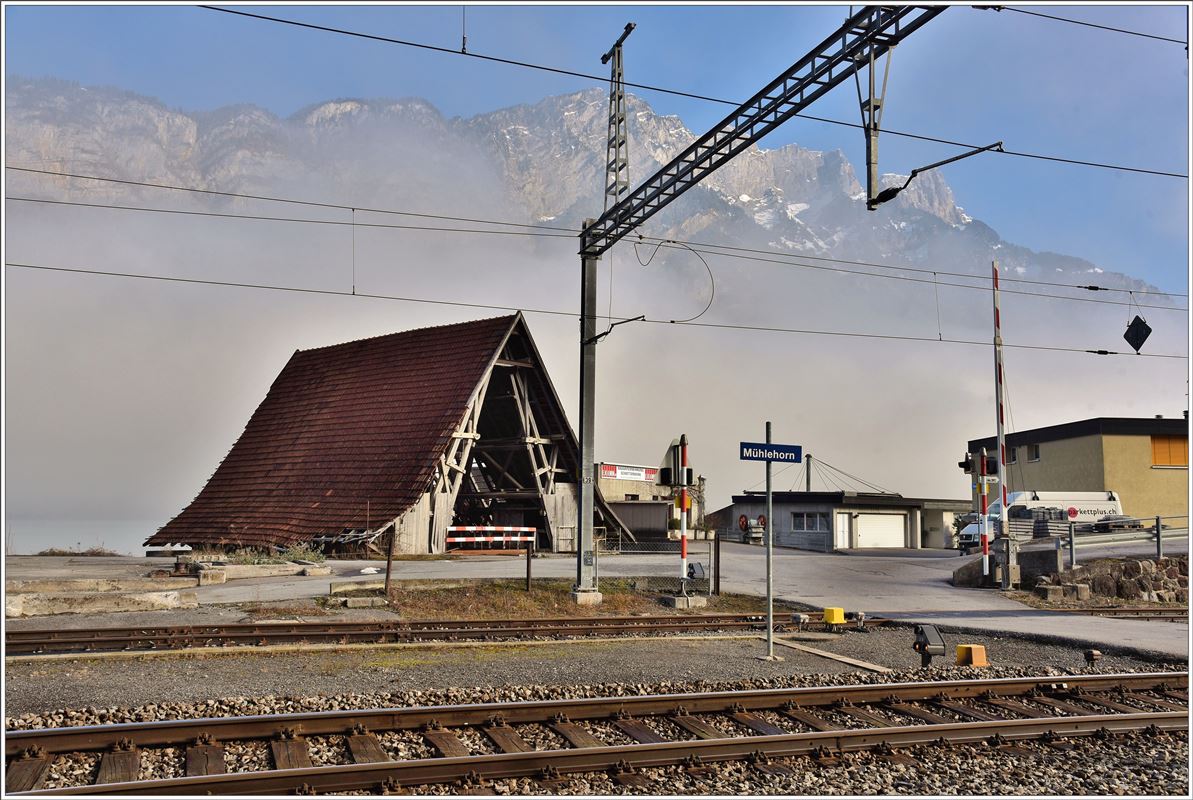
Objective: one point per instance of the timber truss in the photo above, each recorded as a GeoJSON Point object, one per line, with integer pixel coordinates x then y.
{"type": "Point", "coordinates": [511, 460]}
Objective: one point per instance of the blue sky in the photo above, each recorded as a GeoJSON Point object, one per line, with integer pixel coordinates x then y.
{"type": "Point", "coordinates": [978, 76]}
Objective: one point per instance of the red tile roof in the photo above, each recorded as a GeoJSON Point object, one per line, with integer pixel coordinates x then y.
{"type": "Point", "coordinates": [346, 433]}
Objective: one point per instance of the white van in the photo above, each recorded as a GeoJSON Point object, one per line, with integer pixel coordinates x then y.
{"type": "Point", "coordinates": [1079, 507]}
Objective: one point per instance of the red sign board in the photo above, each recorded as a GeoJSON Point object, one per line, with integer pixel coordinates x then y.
{"type": "Point", "coordinates": [762, 520]}
{"type": "Point", "coordinates": [743, 522]}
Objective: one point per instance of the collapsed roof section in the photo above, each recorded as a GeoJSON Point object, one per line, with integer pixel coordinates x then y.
{"type": "Point", "coordinates": [415, 431]}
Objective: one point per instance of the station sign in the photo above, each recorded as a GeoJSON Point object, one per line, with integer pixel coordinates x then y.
{"type": "Point", "coordinates": [760, 451]}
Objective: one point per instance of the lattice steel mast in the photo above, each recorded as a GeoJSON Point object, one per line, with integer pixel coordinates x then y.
{"type": "Point", "coordinates": [866, 35]}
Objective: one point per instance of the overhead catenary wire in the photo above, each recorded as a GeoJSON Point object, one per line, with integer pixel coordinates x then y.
{"type": "Point", "coordinates": [1084, 23]}
{"type": "Point", "coordinates": [560, 312]}
{"type": "Point", "coordinates": [558, 228]}
{"type": "Point", "coordinates": [668, 243]}
{"type": "Point", "coordinates": [674, 92]}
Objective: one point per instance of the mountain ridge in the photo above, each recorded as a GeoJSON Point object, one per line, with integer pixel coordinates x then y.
{"type": "Point", "coordinates": [540, 161]}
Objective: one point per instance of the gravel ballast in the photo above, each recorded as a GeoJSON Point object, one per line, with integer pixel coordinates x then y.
{"type": "Point", "coordinates": [33, 687]}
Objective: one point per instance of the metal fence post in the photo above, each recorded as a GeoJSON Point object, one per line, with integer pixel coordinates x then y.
{"type": "Point", "coordinates": [717, 563]}
{"type": "Point", "coordinates": [1072, 545]}
{"type": "Point", "coordinates": [1159, 541]}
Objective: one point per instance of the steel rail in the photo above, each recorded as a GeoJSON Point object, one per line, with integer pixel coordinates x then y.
{"type": "Point", "coordinates": [509, 765]}
{"type": "Point", "coordinates": [69, 633]}
{"type": "Point", "coordinates": [101, 639]}
{"type": "Point", "coordinates": [316, 723]}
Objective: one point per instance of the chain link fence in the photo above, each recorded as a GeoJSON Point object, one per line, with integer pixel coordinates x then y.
{"type": "Point", "coordinates": [653, 565]}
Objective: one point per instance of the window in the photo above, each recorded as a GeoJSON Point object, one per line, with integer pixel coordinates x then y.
{"type": "Point", "coordinates": [814, 521]}
{"type": "Point", "coordinates": [1012, 455]}
{"type": "Point", "coordinates": [1170, 451]}
{"type": "Point", "coordinates": [1033, 452]}
{"type": "Point", "coordinates": [631, 497]}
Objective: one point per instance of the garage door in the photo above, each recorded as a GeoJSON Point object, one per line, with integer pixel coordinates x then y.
{"type": "Point", "coordinates": [881, 530]}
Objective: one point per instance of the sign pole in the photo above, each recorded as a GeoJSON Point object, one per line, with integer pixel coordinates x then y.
{"type": "Point", "coordinates": [768, 452]}
{"type": "Point", "coordinates": [770, 572]}
{"type": "Point", "coordinates": [982, 522]}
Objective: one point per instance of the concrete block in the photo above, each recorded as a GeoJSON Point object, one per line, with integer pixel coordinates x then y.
{"type": "Point", "coordinates": [1051, 593]}
{"type": "Point", "coordinates": [587, 598]}
{"type": "Point", "coordinates": [365, 602]}
{"type": "Point", "coordinates": [210, 576]}
{"type": "Point", "coordinates": [33, 605]}
{"type": "Point", "coordinates": [336, 587]}
{"type": "Point", "coordinates": [1075, 591]}
{"type": "Point", "coordinates": [239, 571]}
{"type": "Point", "coordinates": [316, 570]}
{"type": "Point", "coordinates": [690, 601]}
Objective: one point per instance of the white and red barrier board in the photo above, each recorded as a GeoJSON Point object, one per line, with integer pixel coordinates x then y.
{"type": "Point", "coordinates": [496, 530]}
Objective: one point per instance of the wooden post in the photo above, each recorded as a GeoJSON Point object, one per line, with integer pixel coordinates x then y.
{"type": "Point", "coordinates": [529, 556]}
{"type": "Point", "coordinates": [389, 559]}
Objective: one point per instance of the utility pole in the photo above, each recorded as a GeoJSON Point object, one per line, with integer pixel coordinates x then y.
{"type": "Point", "coordinates": [586, 592]}
{"type": "Point", "coordinates": [1002, 445]}
{"type": "Point", "coordinates": [866, 35]}
{"type": "Point", "coordinates": [617, 183]}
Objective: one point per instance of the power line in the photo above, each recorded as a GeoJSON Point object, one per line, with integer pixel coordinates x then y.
{"type": "Point", "coordinates": [933, 282]}
{"type": "Point", "coordinates": [853, 477]}
{"type": "Point", "coordinates": [668, 243]}
{"type": "Point", "coordinates": [291, 200]}
{"type": "Point", "coordinates": [556, 312]}
{"type": "Point", "coordinates": [1080, 22]}
{"type": "Point", "coordinates": [878, 265]}
{"type": "Point", "coordinates": [675, 92]}
{"type": "Point", "coordinates": [659, 240]}
{"type": "Point", "coordinates": [264, 218]}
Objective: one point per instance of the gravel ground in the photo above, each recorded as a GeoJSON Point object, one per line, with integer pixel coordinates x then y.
{"type": "Point", "coordinates": [81, 683]}
{"type": "Point", "coordinates": [891, 647]}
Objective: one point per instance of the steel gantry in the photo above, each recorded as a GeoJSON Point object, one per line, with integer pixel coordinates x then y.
{"type": "Point", "coordinates": [859, 42]}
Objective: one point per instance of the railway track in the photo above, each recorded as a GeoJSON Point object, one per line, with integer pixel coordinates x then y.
{"type": "Point", "coordinates": [1153, 614]}
{"type": "Point", "coordinates": [387, 750]}
{"type": "Point", "coordinates": [88, 640]}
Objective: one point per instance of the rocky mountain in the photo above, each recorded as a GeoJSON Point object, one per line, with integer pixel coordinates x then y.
{"type": "Point", "coordinates": [540, 162]}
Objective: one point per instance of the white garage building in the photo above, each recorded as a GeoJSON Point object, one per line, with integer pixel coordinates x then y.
{"type": "Point", "coordinates": [827, 521]}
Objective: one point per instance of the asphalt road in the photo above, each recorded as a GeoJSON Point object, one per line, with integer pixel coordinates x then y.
{"type": "Point", "coordinates": [908, 585]}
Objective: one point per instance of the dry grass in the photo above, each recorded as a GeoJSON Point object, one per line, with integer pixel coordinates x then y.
{"type": "Point", "coordinates": [267, 611]}
{"type": "Point", "coordinates": [508, 599]}
{"type": "Point", "coordinates": [90, 551]}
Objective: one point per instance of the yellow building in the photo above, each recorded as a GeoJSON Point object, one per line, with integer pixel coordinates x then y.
{"type": "Point", "coordinates": [1144, 461]}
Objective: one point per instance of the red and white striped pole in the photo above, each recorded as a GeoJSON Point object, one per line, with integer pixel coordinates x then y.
{"type": "Point", "coordinates": [683, 506]}
{"type": "Point", "coordinates": [1002, 444]}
